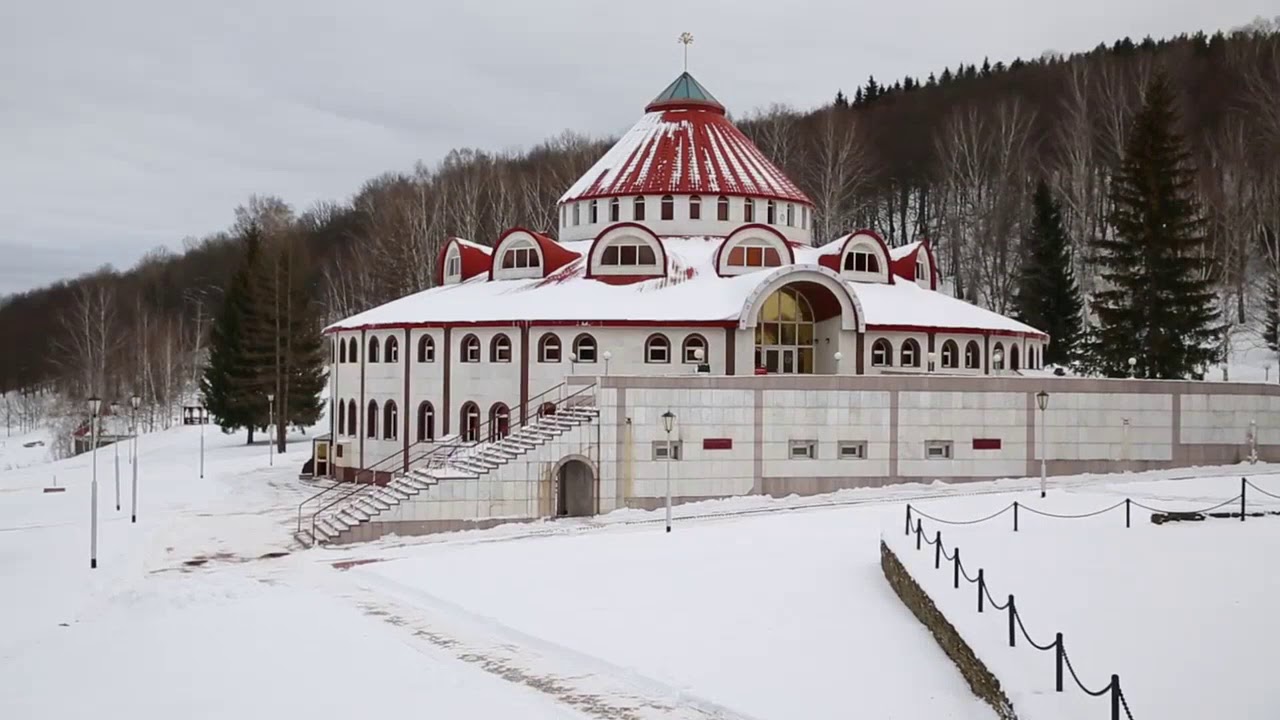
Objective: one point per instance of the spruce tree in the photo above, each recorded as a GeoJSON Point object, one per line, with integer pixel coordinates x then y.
{"type": "Point", "coordinates": [1271, 321]}
{"type": "Point", "coordinates": [224, 381]}
{"type": "Point", "coordinates": [1047, 297]}
{"type": "Point", "coordinates": [1157, 304]}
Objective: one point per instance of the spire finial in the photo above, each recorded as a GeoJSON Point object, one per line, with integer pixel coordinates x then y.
{"type": "Point", "coordinates": [685, 39]}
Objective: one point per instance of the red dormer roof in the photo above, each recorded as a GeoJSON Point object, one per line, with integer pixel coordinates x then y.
{"type": "Point", "coordinates": [685, 145]}
{"type": "Point", "coordinates": [833, 252]}
{"type": "Point", "coordinates": [554, 255]}
{"type": "Point", "coordinates": [903, 262]}
{"type": "Point", "coordinates": [476, 258]}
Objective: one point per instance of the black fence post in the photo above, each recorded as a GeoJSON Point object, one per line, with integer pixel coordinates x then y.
{"type": "Point", "coordinates": [1244, 482]}
{"type": "Point", "coordinates": [1013, 618]}
{"type": "Point", "coordinates": [908, 518]}
{"type": "Point", "coordinates": [1015, 516]}
{"type": "Point", "coordinates": [956, 570]}
{"type": "Point", "coordinates": [1060, 653]}
{"type": "Point", "coordinates": [1115, 697]}
{"type": "Point", "coordinates": [937, 550]}
{"type": "Point", "coordinates": [982, 588]}
{"type": "Point", "coordinates": [1127, 502]}
{"type": "Point", "coordinates": [919, 533]}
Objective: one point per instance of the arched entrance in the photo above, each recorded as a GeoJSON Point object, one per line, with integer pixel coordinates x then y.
{"type": "Point", "coordinates": [792, 321]}
{"type": "Point", "coordinates": [575, 488]}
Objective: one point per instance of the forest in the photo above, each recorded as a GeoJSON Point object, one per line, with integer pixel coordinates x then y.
{"type": "Point", "coordinates": [955, 157]}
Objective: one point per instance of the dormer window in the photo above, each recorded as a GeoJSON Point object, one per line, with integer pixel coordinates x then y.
{"type": "Point", "coordinates": [637, 209]}
{"type": "Point", "coordinates": [614, 210]}
{"type": "Point", "coordinates": [521, 255]}
{"type": "Point", "coordinates": [623, 253]}
{"type": "Point", "coordinates": [862, 261]}
{"type": "Point", "coordinates": [722, 209]}
{"type": "Point", "coordinates": [668, 207]}
{"type": "Point", "coordinates": [595, 213]}
{"type": "Point", "coordinates": [748, 210]}
{"type": "Point", "coordinates": [771, 213]}
{"type": "Point", "coordinates": [695, 208]}
{"type": "Point", "coordinates": [754, 254]}
{"type": "Point", "coordinates": [791, 215]}
{"type": "Point", "coordinates": [922, 272]}
{"type": "Point", "coordinates": [453, 266]}
{"type": "Point", "coordinates": [576, 212]}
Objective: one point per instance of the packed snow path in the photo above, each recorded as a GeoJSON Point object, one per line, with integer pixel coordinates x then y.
{"type": "Point", "coordinates": [206, 609]}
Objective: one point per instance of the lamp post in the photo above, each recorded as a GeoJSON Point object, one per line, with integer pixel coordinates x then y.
{"type": "Point", "coordinates": [201, 417]}
{"type": "Point", "coordinates": [933, 360]}
{"type": "Point", "coordinates": [698, 355]}
{"type": "Point", "coordinates": [134, 402]}
{"type": "Point", "coordinates": [838, 357]}
{"type": "Point", "coordinates": [1133, 364]}
{"type": "Point", "coordinates": [573, 363]}
{"type": "Point", "coordinates": [115, 445]}
{"type": "Point", "coordinates": [668, 421]}
{"type": "Point", "coordinates": [1042, 399]}
{"type": "Point", "coordinates": [607, 357]}
{"type": "Point", "coordinates": [271, 441]}
{"type": "Point", "coordinates": [95, 405]}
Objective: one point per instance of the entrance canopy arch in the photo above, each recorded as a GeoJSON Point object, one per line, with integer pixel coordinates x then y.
{"type": "Point", "coordinates": [790, 312]}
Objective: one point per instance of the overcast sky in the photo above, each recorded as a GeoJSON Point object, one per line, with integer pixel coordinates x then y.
{"type": "Point", "coordinates": [131, 124]}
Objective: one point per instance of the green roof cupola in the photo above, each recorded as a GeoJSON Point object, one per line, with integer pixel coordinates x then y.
{"type": "Point", "coordinates": [684, 93]}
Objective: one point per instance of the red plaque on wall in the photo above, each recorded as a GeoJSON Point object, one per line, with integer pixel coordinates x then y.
{"type": "Point", "coordinates": [986, 443]}
{"type": "Point", "coordinates": [717, 443]}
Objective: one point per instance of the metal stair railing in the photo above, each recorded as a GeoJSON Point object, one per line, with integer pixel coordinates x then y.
{"type": "Point", "coordinates": [439, 454]}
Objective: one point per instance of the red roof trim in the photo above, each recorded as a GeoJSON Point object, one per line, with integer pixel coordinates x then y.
{"type": "Point", "coordinates": [972, 330]}
{"type": "Point", "coordinates": [541, 323]}
{"type": "Point", "coordinates": [703, 194]}
{"type": "Point", "coordinates": [474, 260]}
{"type": "Point", "coordinates": [554, 255]}
{"type": "Point", "coordinates": [905, 266]}
{"type": "Point", "coordinates": [791, 253]}
{"type": "Point", "coordinates": [591, 253]}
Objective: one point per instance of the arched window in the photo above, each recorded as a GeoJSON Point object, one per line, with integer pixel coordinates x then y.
{"type": "Point", "coordinates": [785, 333]}
{"type": "Point", "coordinates": [549, 348]}
{"type": "Point", "coordinates": [771, 212]}
{"type": "Point", "coordinates": [352, 430]}
{"type": "Point", "coordinates": [390, 421]}
{"type": "Point", "coordinates": [922, 272]}
{"type": "Point", "coordinates": [1013, 357]}
{"type": "Point", "coordinates": [722, 209]}
{"type": "Point", "coordinates": [342, 414]}
{"type": "Point", "coordinates": [804, 218]}
{"type": "Point", "coordinates": [373, 349]}
{"type": "Point", "coordinates": [754, 253]}
{"type": "Point", "coordinates": [584, 349]}
{"type": "Point", "coordinates": [547, 409]}
{"type": "Point", "coordinates": [470, 349]}
{"type": "Point", "coordinates": [371, 420]}
{"type": "Point", "coordinates": [950, 355]}
{"type": "Point", "coordinates": [595, 213]}
{"type": "Point", "coordinates": [910, 353]}
{"type": "Point", "coordinates": [426, 422]}
{"type": "Point", "coordinates": [695, 208]}
{"type": "Point", "coordinates": [342, 351]}
{"type": "Point", "coordinates": [881, 353]}
{"type": "Point", "coordinates": [426, 349]}
{"type": "Point", "coordinates": [972, 355]}
{"type": "Point", "coordinates": [500, 349]}
{"type": "Point", "coordinates": [657, 349]}
{"type": "Point", "coordinates": [668, 207]}
{"type": "Point", "coordinates": [694, 351]}
{"type": "Point", "coordinates": [353, 351]}
{"type": "Point", "coordinates": [791, 214]}
{"type": "Point", "coordinates": [628, 252]}
{"type": "Point", "coordinates": [637, 209]}
{"type": "Point", "coordinates": [614, 210]}
{"type": "Point", "coordinates": [521, 255]}
{"type": "Point", "coordinates": [392, 353]}
{"type": "Point", "coordinates": [470, 422]}
{"type": "Point", "coordinates": [499, 421]}
{"type": "Point", "coordinates": [997, 357]}
{"type": "Point", "coordinates": [862, 261]}
{"type": "Point", "coordinates": [748, 210]}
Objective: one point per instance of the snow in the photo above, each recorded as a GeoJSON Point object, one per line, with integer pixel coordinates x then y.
{"type": "Point", "coordinates": [897, 253]}
{"type": "Point", "coordinates": [15, 453]}
{"type": "Point", "coordinates": [1184, 613]}
{"type": "Point", "coordinates": [905, 303]}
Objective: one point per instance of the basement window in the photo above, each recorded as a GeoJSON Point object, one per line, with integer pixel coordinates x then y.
{"type": "Point", "coordinates": [660, 450]}
{"type": "Point", "coordinates": [853, 450]}
{"type": "Point", "coordinates": [803, 449]}
{"type": "Point", "coordinates": [937, 449]}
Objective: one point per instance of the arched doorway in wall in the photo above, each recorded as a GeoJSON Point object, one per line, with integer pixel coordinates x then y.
{"type": "Point", "coordinates": [470, 422]}
{"type": "Point", "coordinates": [499, 421]}
{"type": "Point", "coordinates": [786, 328]}
{"type": "Point", "coordinates": [574, 488]}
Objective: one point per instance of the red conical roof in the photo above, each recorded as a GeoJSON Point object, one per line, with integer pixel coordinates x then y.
{"type": "Point", "coordinates": [684, 145]}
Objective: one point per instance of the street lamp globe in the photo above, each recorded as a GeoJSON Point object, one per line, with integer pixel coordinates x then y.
{"type": "Point", "coordinates": [135, 401]}
{"type": "Point", "coordinates": [95, 405]}
{"type": "Point", "coordinates": [1042, 399]}
{"type": "Point", "coordinates": [115, 408]}
{"type": "Point", "coordinates": [668, 420]}
{"type": "Point", "coordinates": [838, 356]}
{"type": "Point", "coordinates": [607, 355]}
{"type": "Point", "coordinates": [271, 397]}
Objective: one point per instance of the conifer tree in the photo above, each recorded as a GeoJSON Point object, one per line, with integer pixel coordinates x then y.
{"type": "Point", "coordinates": [1271, 321]}
{"type": "Point", "coordinates": [1047, 297]}
{"type": "Point", "coordinates": [1158, 304]}
{"type": "Point", "coordinates": [841, 101]}
{"type": "Point", "coordinates": [224, 383]}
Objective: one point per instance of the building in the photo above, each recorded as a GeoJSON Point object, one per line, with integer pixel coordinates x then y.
{"type": "Point", "coordinates": [683, 255]}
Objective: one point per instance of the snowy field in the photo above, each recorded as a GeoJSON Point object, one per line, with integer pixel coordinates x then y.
{"type": "Point", "coordinates": [23, 449]}
{"type": "Point", "coordinates": [752, 608]}
{"type": "Point", "coordinates": [1186, 613]}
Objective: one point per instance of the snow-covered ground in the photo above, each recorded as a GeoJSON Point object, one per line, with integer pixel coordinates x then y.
{"type": "Point", "coordinates": [23, 449]}
{"type": "Point", "coordinates": [1185, 613]}
{"type": "Point", "coordinates": [752, 608]}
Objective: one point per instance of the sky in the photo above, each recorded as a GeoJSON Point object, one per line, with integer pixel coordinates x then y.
{"type": "Point", "coordinates": [132, 124]}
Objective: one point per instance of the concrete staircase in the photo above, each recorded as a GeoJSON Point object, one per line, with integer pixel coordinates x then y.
{"type": "Point", "coordinates": [366, 502]}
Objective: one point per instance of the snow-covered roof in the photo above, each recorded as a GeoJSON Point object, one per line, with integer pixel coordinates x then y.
{"type": "Point", "coordinates": [684, 144]}
{"type": "Point", "coordinates": [690, 293]}
{"type": "Point", "coordinates": [902, 251]}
